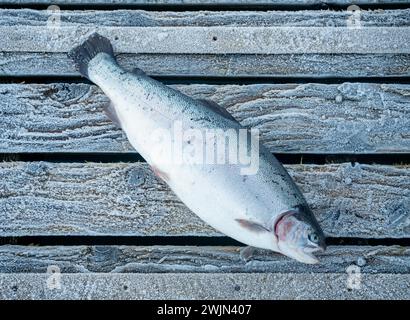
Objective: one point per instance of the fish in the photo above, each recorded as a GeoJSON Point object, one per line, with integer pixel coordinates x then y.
{"type": "Point", "coordinates": [262, 208]}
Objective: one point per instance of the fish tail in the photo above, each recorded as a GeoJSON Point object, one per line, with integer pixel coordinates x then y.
{"type": "Point", "coordinates": [85, 52]}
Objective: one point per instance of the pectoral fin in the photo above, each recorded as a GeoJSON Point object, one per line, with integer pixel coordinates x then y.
{"type": "Point", "coordinates": [109, 110]}
{"type": "Point", "coordinates": [217, 108]}
{"type": "Point", "coordinates": [252, 226]}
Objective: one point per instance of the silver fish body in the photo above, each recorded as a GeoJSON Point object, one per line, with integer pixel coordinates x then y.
{"type": "Point", "coordinates": [244, 207]}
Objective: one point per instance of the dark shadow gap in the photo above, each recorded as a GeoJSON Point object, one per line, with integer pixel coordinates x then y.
{"type": "Point", "coordinates": [175, 241]}
{"type": "Point", "coordinates": [68, 157]}
{"type": "Point", "coordinates": [237, 80]}
{"type": "Point", "coordinates": [354, 241]}
{"type": "Point", "coordinates": [277, 80]}
{"type": "Point", "coordinates": [207, 7]}
{"type": "Point", "coordinates": [286, 158]}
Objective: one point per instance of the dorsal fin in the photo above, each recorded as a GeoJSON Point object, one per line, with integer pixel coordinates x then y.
{"type": "Point", "coordinates": [217, 108]}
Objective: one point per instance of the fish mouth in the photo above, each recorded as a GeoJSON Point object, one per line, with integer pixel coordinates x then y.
{"type": "Point", "coordinates": [304, 256]}
{"type": "Point", "coordinates": [309, 257]}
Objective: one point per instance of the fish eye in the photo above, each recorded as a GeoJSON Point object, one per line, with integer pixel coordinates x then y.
{"type": "Point", "coordinates": [313, 237]}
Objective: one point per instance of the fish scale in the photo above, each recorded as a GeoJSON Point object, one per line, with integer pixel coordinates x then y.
{"type": "Point", "coordinates": [264, 209]}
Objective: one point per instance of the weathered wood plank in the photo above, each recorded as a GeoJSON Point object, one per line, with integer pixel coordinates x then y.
{"type": "Point", "coordinates": [204, 286]}
{"type": "Point", "coordinates": [217, 40]}
{"type": "Point", "coordinates": [213, 40]}
{"type": "Point", "coordinates": [42, 198]}
{"type": "Point", "coordinates": [188, 66]}
{"type": "Point", "coordinates": [140, 18]}
{"type": "Point", "coordinates": [187, 259]}
{"type": "Point", "coordinates": [214, 65]}
{"type": "Point", "coordinates": [206, 3]}
{"type": "Point", "coordinates": [308, 118]}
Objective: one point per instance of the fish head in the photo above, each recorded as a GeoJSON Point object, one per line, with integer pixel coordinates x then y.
{"type": "Point", "coordinates": [299, 235]}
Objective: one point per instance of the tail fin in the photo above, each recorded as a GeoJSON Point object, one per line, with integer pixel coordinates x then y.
{"type": "Point", "coordinates": [86, 51]}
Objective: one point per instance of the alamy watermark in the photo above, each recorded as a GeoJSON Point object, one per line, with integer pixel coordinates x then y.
{"type": "Point", "coordinates": [212, 146]}
{"type": "Point", "coordinates": [354, 17]}
{"type": "Point", "coordinates": [54, 278]}
{"type": "Point", "coordinates": [54, 19]}
{"type": "Point", "coordinates": [354, 277]}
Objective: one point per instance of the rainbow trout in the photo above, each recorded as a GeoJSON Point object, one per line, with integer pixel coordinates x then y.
{"type": "Point", "coordinates": [260, 206]}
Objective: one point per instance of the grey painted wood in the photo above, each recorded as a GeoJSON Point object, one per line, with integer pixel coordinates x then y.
{"type": "Point", "coordinates": [204, 286]}
{"type": "Point", "coordinates": [213, 40]}
{"type": "Point", "coordinates": [272, 3]}
{"type": "Point", "coordinates": [307, 118]}
{"type": "Point", "coordinates": [212, 65]}
{"type": "Point", "coordinates": [187, 259]}
{"type": "Point", "coordinates": [39, 198]}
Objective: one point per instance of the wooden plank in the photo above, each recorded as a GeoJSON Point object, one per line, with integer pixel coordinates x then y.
{"type": "Point", "coordinates": [213, 40]}
{"type": "Point", "coordinates": [187, 259]}
{"type": "Point", "coordinates": [250, 66]}
{"type": "Point", "coordinates": [213, 65]}
{"type": "Point", "coordinates": [140, 18]}
{"type": "Point", "coordinates": [39, 198]}
{"type": "Point", "coordinates": [204, 286]}
{"type": "Point", "coordinates": [307, 118]}
{"type": "Point", "coordinates": [206, 3]}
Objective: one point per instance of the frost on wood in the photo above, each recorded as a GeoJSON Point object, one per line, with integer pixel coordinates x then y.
{"type": "Point", "coordinates": [181, 3]}
{"type": "Point", "coordinates": [293, 65]}
{"type": "Point", "coordinates": [158, 259]}
{"type": "Point", "coordinates": [139, 18]}
{"type": "Point", "coordinates": [39, 198]}
{"type": "Point", "coordinates": [229, 65]}
{"type": "Point", "coordinates": [204, 286]}
{"type": "Point", "coordinates": [213, 40]}
{"type": "Point", "coordinates": [306, 118]}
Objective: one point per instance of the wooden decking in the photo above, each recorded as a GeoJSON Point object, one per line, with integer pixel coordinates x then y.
{"type": "Point", "coordinates": [332, 102]}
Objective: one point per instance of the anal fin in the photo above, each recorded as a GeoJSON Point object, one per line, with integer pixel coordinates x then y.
{"type": "Point", "coordinates": [247, 253]}
{"type": "Point", "coordinates": [109, 110]}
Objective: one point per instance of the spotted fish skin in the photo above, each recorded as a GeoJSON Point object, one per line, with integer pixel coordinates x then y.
{"type": "Point", "coordinates": [244, 207]}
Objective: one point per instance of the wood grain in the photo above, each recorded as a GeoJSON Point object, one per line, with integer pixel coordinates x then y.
{"type": "Point", "coordinates": [125, 199]}
{"type": "Point", "coordinates": [141, 18]}
{"type": "Point", "coordinates": [296, 66]}
{"type": "Point", "coordinates": [305, 118]}
{"type": "Point", "coordinates": [40, 198]}
{"type": "Point", "coordinates": [213, 40]}
{"type": "Point", "coordinates": [171, 286]}
{"type": "Point", "coordinates": [187, 259]}
{"type": "Point", "coordinates": [161, 63]}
